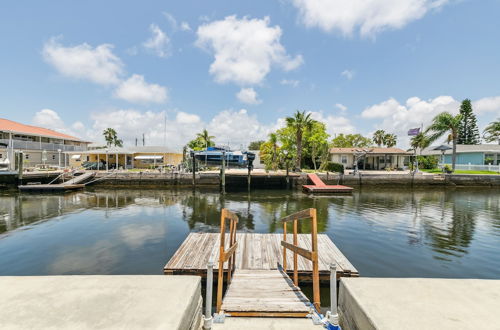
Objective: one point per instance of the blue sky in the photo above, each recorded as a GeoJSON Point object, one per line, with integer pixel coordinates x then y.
{"type": "Point", "coordinates": [169, 69]}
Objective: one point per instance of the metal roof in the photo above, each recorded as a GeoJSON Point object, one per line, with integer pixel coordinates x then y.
{"type": "Point", "coordinates": [463, 148]}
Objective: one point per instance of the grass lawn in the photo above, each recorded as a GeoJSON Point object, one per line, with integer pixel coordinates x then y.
{"type": "Point", "coordinates": [437, 170]}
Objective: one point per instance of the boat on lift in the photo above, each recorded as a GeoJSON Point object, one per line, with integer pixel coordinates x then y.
{"type": "Point", "coordinates": [214, 156]}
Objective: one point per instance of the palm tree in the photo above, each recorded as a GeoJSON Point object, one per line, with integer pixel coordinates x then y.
{"type": "Point", "coordinates": [206, 138]}
{"type": "Point", "coordinates": [443, 123]}
{"type": "Point", "coordinates": [492, 131]}
{"type": "Point", "coordinates": [299, 122]}
{"type": "Point", "coordinates": [390, 140]}
{"type": "Point", "coordinates": [419, 141]}
{"type": "Point", "coordinates": [273, 140]}
{"type": "Point", "coordinates": [111, 138]}
{"type": "Point", "coordinates": [379, 137]}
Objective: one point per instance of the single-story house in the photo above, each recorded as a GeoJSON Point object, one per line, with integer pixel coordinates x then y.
{"type": "Point", "coordinates": [480, 154]}
{"type": "Point", "coordinates": [126, 157]}
{"type": "Point", "coordinates": [370, 158]}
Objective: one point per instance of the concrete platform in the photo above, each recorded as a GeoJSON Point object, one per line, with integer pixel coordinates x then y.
{"type": "Point", "coordinates": [416, 303]}
{"type": "Point", "coordinates": [100, 302]}
{"type": "Point", "coordinates": [254, 323]}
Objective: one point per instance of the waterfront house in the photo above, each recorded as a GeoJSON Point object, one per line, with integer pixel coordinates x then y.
{"type": "Point", "coordinates": [370, 158]}
{"type": "Point", "coordinates": [480, 154]}
{"type": "Point", "coordinates": [39, 145]}
{"type": "Point", "coordinates": [142, 157]}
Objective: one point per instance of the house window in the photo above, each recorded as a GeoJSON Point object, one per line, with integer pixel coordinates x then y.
{"type": "Point", "coordinates": [343, 159]}
{"type": "Point", "coordinates": [27, 156]}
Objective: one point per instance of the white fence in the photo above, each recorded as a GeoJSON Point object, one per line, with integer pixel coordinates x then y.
{"type": "Point", "coordinates": [470, 167]}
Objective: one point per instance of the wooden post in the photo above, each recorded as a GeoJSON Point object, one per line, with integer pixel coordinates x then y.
{"type": "Point", "coordinates": [249, 178]}
{"type": "Point", "coordinates": [20, 159]}
{"type": "Point", "coordinates": [287, 177]}
{"type": "Point", "coordinates": [295, 261]}
{"type": "Point", "coordinates": [284, 248]}
{"type": "Point", "coordinates": [220, 275]}
{"type": "Point", "coordinates": [314, 243]}
{"type": "Point", "coordinates": [223, 173]}
{"type": "Point", "coordinates": [194, 169]}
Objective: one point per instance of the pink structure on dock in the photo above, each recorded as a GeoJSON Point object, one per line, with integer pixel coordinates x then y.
{"type": "Point", "coordinates": [320, 187]}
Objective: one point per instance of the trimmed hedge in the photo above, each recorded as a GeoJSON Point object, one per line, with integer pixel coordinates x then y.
{"type": "Point", "coordinates": [334, 167]}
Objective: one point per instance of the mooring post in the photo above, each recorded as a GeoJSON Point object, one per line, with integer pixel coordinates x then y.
{"type": "Point", "coordinates": [19, 159]}
{"type": "Point", "coordinates": [207, 322]}
{"type": "Point", "coordinates": [223, 174]}
{"type": "Point", "coordinates": [193, 167]}
{"type": "Point", "coordinates": [287, 177]}
{"type": "Point", "coordinates": [249, 178]}
{"type": "Point", "coordinates": [332, 315]}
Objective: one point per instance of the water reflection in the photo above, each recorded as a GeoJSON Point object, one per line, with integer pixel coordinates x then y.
{"type": "Point", "coordinates": [445, 233]}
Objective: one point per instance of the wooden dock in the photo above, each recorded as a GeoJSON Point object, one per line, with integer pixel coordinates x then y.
{"type": "Point", "coordinates": [320, 187]}
{"type": "Point", "coordinates": [258, 252]}
{"type": "Point", "coordinates": [75, 183]}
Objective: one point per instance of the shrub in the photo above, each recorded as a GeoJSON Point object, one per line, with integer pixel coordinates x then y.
{"type": "Point", "coordinates": [334, 167]}
{"type": "Point", "coordinates": [447, 168]}
{"type": "Point", "coordinates": [427, 162]}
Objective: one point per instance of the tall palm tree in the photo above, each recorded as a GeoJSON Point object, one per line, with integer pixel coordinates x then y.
{"type": "Point", "coordinates": [419, 141]}
{"type": "Point", "coordinates": [379, 137]}
{"type": "Point", "coordinates": [206, 138]}
{"type": "Point", "coordinates": [111, 138]}
{"type": "Point", "coordinates": [390, 140]}
{"type": "Point", "coordinates": [300, 122]}
{"type": "Point", "coordinates": [492, 131]}
{"type": "Point", "coordinates": [273, 140]}
{"type": "Point", "coordinates": [441, 124]}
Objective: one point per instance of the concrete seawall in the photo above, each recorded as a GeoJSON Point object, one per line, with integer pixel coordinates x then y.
{"type": "Point", "coordinates": [100, 302]}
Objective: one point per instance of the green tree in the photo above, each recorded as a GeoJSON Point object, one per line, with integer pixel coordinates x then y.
{"type": "Point", "coordinates": [255, 145]}
{"type": "Point", "coordinates": [317, 142]}
{"type": "Point", "coordinates": [492, 132]}
{"type": "Point", "coordinates": [111, 138]}
{"type": "Point", "coordinates": [270, 152]}
{"type": "Point", "coordinates": [379, 137]}
{"type": "Point", "coordinates": [444, 123]}
{"type": "Point", "coordinates": [206, 138]}
{"type": "Point", "coordinates": [468, 132]}
{"type": "Point", "coordinates": [299, 122]}
{"type": "Point", "coordinates": [351, 141]}
{"type": "Point", "coordinates": [390, 140]}
{"type": "Point", "coordinates": [419, 141]}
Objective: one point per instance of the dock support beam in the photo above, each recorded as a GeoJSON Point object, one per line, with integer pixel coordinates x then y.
{"type": "Point", "coordinates": [193, 167]}
{"type": "Point", "coordinates": [332, 315]}
{"type": "Point", "coordinates": [207, 321]}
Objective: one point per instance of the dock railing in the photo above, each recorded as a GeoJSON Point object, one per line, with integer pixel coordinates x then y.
{"type": "Point", "coordinates": [308, 254]}
{"type": "Point", "coordinates": [226, 255]}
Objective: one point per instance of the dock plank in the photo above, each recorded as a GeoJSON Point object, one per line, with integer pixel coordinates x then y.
{"type": "Point", "coordinates": [255, 251]}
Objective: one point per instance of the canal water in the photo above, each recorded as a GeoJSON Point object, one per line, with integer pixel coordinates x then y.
{"type": "Point", "coordinates": [452, 233]}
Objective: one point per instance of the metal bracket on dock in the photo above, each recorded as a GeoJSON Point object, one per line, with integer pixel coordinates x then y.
{"type": "Point", "coordinates": [219, 318]}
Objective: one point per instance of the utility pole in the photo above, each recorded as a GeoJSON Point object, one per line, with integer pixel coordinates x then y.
{"type": "Point", "coordinates": [143, 140]}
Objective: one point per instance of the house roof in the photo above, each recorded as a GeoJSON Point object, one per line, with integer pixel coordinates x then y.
{"type": "Point", "coordinates": [462, 148]}
{"type": "Point", "coordinates": [370, 150]}
{"type": "Point", "coordinates": [18, 128]}
{"type": "Point", "coordinates": [127, 150]}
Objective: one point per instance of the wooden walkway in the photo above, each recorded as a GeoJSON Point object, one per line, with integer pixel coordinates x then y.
{"type": "Point", "coordinates": [264, 293]}
{"type": "Point", "coordinates": [256, 252]}
{"type": "Point", "coordinates": [73, 184]}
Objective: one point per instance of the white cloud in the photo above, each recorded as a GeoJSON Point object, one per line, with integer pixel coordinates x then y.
{"type": "Point", "coordinates": [159, 43]}
{"type": "Point", "coordinates": [367, 16]}
{"type": "Point", "coordinates": [349, 74]}
{"type": "Point", "coordinates": [398, 118]}
{"type": "Point", "coordinates": [48, 118]}
{"type": "Point", "coordinates": [136, 90]}
{"type": "Point", "coordinates": [187, 118]}
{"type": "Point", "coordinates": [185, 26]}
{"type": "Point", "coordinates": [98, 64]}
{"type": "Point", "coordinates": [487, 104]}
{"type": "Point", "coordinates": [341, 107]}
{"type": "Point", "coordinates": [171, 20]}
{"type": "Point", "coordinates": [290, 82]}
{"type": "Point", "coordinates": [334, 124]}
{"type": "Point", "coordinates": [248, 96]}
{"type": "Point", "coordinates": [244, 49]}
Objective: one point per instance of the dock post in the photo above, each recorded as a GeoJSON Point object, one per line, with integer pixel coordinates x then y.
{"type": "Point", "coordinates": [19, 160]}
{"type": "Point", "coordinates": [332, 315]}
{"type": "Point", "coordinates": [207, 321]}
{"type": "Point", "coordinates": [249, 178]}
{"type": "Point", "coordinates": [193, 160]}
{"type": "Point", "coordinates": [223, 173]}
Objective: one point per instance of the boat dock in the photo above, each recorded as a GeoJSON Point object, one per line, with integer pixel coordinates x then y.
{"type": "Point", "coordinates": [320, 187]}
{"type": "Point", "coordinates": [76, 182]}
{"type": "Point", "coordinates": [258, 252]}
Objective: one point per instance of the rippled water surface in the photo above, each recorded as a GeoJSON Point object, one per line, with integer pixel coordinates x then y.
{"type": "Point", "coordinates": [392, 233]}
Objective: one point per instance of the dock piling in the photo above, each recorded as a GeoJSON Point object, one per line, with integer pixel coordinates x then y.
{"type": "Point", "coordinates": [207, 321]}
{"type": "Point", "coordinates": [332, 315]}
{"type": "Point", "coordinates": [223, 173]}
